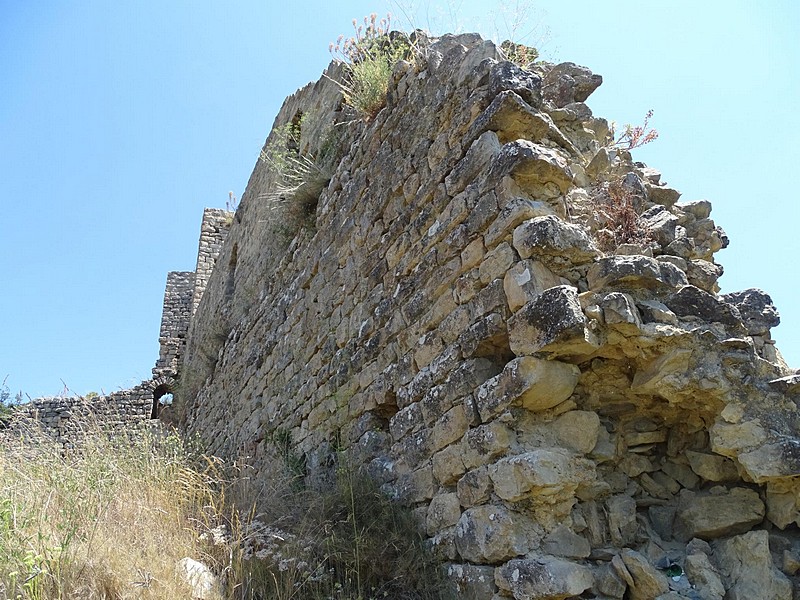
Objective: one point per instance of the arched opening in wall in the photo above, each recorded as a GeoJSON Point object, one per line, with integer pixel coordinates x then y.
{"type": "Point", "coordinates": [162, 400]}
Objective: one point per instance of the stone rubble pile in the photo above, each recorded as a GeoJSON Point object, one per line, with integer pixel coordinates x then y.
{"type": "Point", "coordinates": [566, 418]}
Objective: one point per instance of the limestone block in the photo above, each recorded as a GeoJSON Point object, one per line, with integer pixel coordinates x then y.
{"type": "Point", "coordinates": [552, 324]}
{"type": "Point", "coordinates": [704, 274]}
{"type": "Point", "coordinates": [578, 430]}
{"type": "Point", "coordinates": [756, 309]}
{"type": "Point", "coordinates": [783, 502]}
{"type": "Point", "coordinates": [567, 83]}
{"type": "Point", "coordinates": [472, 582]}
{"type": "Point", "coordinates": [645, 581]}
{"type": "Point", "coordinates": [622, 525]}
{"type": "Point", "coordinates": [660, 224]}
{"type": "Point", "coordinates": [553, 240]}
{"type": "Point", "coordinates": [712, 467]}
{"type": "Point", "coordinates": [713, 515]}
{"type": "Point", "coordinates": [506, 76]}
{"type": "Point", "coordinates": [704, 577]}
{"type": "Point", "coordinates": [496, 263]}
{"type": "Point", "coordinates": [609, 583]}
{"type": "Point", "coordinates": [691, 301]}
{"type": "Point", "coordinates": [654, 311]}
{"type": "Point", "coordinates": [480, 154]}
{"type": "Point", "coordinates": [525, 280]}
{"type": "Point", "coordinates": [516, 211]}
{"type": "Point", "coordinates": [443, 511]}
{"type": "Point", "coordinates": [539, 474]}
{"type": "Point", "coordinates": [449, 428]}
{"type": "Point", "coordinates": [562, 541]}
{"type": "Point", "coordinates": [543, 578]}
{"type": "Point", "coordinates": [474, 487]}
{"type": "Point", "coordinates": [530, 163]}
{"type": "Point", "coordinates": [730, 439]}
{"type": "Point", "coordinates": [748, 573]}
{"type": "Point", "coordinates": [634, 272]}
{"type": "Point", "coordinates": [492, 534]}
{"type": "Point", "coordinates": [484, 443]}
{"type": "Point", "coordinates": [533, 383]}
{"type": "Point", "coordinates": [620, 312]}
{"type": "Point", "coordinates": [448, 465]}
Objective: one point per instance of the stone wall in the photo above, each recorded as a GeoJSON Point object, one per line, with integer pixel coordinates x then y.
{"type": "Point", "coordinates": [175, 319]}
{"type": "Point", "coordinates": [66, 418]}
{"type": "Point", "coordinates": [555, 387]}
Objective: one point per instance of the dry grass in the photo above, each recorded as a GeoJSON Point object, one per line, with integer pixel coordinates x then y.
{"type": "Point", "coordinates": [113, 519]}
{"type": "Point", "coordinates": [107, 522]}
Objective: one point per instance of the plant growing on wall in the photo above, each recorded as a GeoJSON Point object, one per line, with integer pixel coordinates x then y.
{"type": "Point", "coordinates": [368, 57]}
{"type": "Point", "coordinates": [617, 219]}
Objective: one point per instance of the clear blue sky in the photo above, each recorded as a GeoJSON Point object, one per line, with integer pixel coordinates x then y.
{"type": "Point", "coordinates": [120, 121]}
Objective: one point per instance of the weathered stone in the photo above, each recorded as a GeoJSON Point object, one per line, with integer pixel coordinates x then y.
{"type": "Point", "coordinates": [783, 502]}
{"type": "Point", "coordinates": [496, 263]}
{"type": "Point", "coordinates": [562, 541]}
{"type": "Point", "coordinates": [567, 83]}
{"type": "Point", "coordinates": [525, 281]}
{"type": "Point", "coordinates": [533, 383]}
{"type": "Point", "coordinates": [645, 581]}
{"type": "Point", "coordinates": [619, 311]}
{"type": "Point", "coordinates": [660, 224]}
{"type": "Point", "coordinates": [443, 511]}
{"type": "Point", "coordinates": [200, 579]}
{"type": "Point", "coordinates": [474, 487]}
{"type": "Point", "coordinates": [655, 311]}
{"type": "Point", "coordinates": [712, 467]}
{"type": "Point", "coordinates": [472, 582]}
{"type": "Point", "coordinates": [609, 582]}
{"type": "Point", "coordinates": [756, 309]}
{"type": "Point", "coordinates": [713, 515]}
{"type": "Point", "coordinates": [622, 525]}
{"type": "Point", "coordinates": [539, 474]}
{"type": "Point", "coordinates": [484, 443]}
{"type": "Point", "coordinates": [505, 76]}
{"type": "Point", "coordinates": [704, 274]}
{"type": "Point", "coordinates": [552, 323]}
{"type": "Point", "coordinates": [578, 430]}
{"type": "Point", "coordinates": [745, 564]}
{"type": "Point", "coordinates": [691, 301]}
{"type": "Point", "coordinates": [640, 272]}
{"type": "Point", "coordinates": [552, 240]}
{"type": "Point", "coordinates": [480, 155]}
{"type": "Point", "coordinates": [704, 577]}
{"type": "Point", "coordinates": [530, 163]}
{"type": "Point", "coordinates": [492, 534]}
{"type": "Point", "coordinates": [543, 578]}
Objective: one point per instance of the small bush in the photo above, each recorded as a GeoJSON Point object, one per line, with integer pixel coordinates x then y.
{"type": "Point", "coordinates": [616, 217]}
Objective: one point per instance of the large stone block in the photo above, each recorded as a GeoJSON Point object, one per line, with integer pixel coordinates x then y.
{"type": "Point", "coordinates": [551, 324]}
{"type": "Point", "coordinates": [747, 570]}
{"type": "Point", "coordinates": [713, 515]}
{"type": "Point", "coordinates": [535, 384]}
{"type": "Point", "coordinates": [543, 578]}
{"type": "Point", "coordinates": [539, 474]}
{"type": "Point", "coordinates": [492, 534]}
{"type": "Point", "coordinates": [634, 271]}
{"type": "Point", "coordinates": [551, 239]}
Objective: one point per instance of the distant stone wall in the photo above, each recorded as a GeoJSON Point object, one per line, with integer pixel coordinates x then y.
{"type": "Point", "coordinates": [175, 318]}
{"type": "Point", "coordinates": [66, 418]}
{"type": "Point", "coordinates": [552, 384]}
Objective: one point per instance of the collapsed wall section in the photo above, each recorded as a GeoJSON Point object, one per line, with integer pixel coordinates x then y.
{"type": "Point", "coordinates": [516, 329]}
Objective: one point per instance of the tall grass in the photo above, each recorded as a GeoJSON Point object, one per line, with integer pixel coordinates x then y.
{"type": "Point", "coordinates": [113, 519]}
{"type": "Point", "coordinates": [109, 521]}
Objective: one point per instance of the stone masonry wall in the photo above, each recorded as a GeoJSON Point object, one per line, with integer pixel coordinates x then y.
{"type": "Point", "coordinates": [175, 319]}
{"type": "Point", "coordinates": [554, 386]}
{"type": "Point", "coordinates": [66, 418]}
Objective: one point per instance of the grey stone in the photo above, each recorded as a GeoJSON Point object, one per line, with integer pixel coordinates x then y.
{"type": "Point", "coordinates": [710, 516]}
{"type": "Point", "coordinates": [543, 578]}
{"type": "Point", "coordinates": [567, 83]}
{"type": "Point", "coordinates": [747, 570]}
{"type": "Point", "coordinates": [756, 309]}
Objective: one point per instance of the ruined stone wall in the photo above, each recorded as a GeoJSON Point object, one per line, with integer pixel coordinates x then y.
{"type": "Point", "coordinates": [554, 387]}
{"type": "Point", "coordinates": [67, 419]}
{"type": "Point", "coordinates": [175, 319]}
